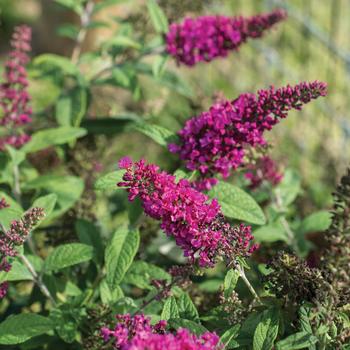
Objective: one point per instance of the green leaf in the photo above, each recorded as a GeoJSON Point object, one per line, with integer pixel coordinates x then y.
{"type": "Point", "coordinates": [90, 235]}
{"type": "Point", "coordinates": [51, 137]}
{"type": "Point", "coordinates": [316, 222]}
{"type": "Point", "coordinates": [296, 341]}
{"type": "Point", "coordinates": [121, 41]}
{"type": "Point", "coordinates": [52, 61]}
{"type": "Point", "coordinates": [193, 327]}
{"type": "Point", "coordinates": [68, 30]}
{"type": "Point", "coordinates": [271, 233]}
{"type": "Point", "coordinates": [157, 133]}
{"type": "Point", "coordinates": [230, 282]}
{"type": "Point", "coordinates": [109, 181]}
{"type": "Point", "coordinates": [48, 203]}
{"type": "Point", "coordinates": [110, 296]}
{"type": "Point", "coordinates": [158, 18]}
{"type": "Point", "coordinates": [12, 203]}
{"type": "Point", "coordinates": [101, 5]}
{"type": "Point", "coordinates": [18, 272]}
{"type": "Point", "coordinates": [228, 338]}
{"type": "Point", "coordinates": [159, 65]}
{"type": "Point", "coordinates": [16, 155]}
{"type": "Point", "coordinates": [120, 253]}
{"type": "Point", "coordinates": [67, 188]}
{"type": "Point", "coordinates": [74, 5]}
{"type": "Point", "coordinates": [109, 125]}
{"type": "Point", "coordinates": [67, 255]}
{"type": "Point", "coordinates": [237, 204]}
{"type": "Point", "coordinates": [187, 309]}
{"type": "Point", "coordinates": [289, 187]}
{"type": "Point", "coordinates": [17, 329]}
{"type": "Point", "coordinates": [266, 331]}
{"type": "Point", "coordinates": [141, 273]}
{"type": "Point", "coordinates": [170, 309]}
{"type": "Point", "coordinates": [7, 215]}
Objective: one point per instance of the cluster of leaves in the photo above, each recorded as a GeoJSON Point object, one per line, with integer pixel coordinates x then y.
{"type": "Point", "coordinates": [95, 255]}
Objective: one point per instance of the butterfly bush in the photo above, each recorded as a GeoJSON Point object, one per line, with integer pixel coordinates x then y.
{"type": "Point", "coordinates": [208, 37]}
{"type": "Point", "coordinates": [214, 142]}
{"type": "Point", "coordinates": [264, 169]}
{"type": "Point", "coordinates": [14, 237]}
{"type": "Point", "coordinates": [186, 214]}
{"type": "Point", "coordinates": [14, 97]}
{"type": "Point", "coordinates": [137, 333]}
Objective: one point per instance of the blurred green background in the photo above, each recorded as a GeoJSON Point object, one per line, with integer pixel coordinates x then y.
{"type": "Point", "coordinates": [312, 44]}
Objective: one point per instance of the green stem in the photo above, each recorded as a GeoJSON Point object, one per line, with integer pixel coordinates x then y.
{"type": "Point", "coordinates": [37, 279]}
{"type": "Point", "coordinates": [242, 274]}
{"type": "Point", "coordinates": [85, 20]}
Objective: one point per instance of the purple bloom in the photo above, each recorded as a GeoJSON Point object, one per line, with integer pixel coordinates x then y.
{"type": "Point", "coordinates": [16, 235]}
{"type": "Point", "coordinates": [196, 223]}
{"type": "Point", "coordinates": [137, 333]}
{"type": "Point", "coordinates": [3, 289]}
{"type": "Point", "coordinates": [215, 141]}
{"type": "Point", "coordinates": [14, 97]}
{"type": "Point", "coordinates": [265, 169]}
{"type": "Point", "coordinates": [208, 37]}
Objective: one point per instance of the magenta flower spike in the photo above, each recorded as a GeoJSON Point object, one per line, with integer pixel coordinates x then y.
{"type": "Point", "coordinates": [137, 333]}
{"type": "Point", "coordinates": [195, 222]}
{"type": "Point", "coordinates": [209, 37]}
{"type": "Point", "coordinates": [214, 142]}
{"type": "Point", "coordinates": [14, 97]}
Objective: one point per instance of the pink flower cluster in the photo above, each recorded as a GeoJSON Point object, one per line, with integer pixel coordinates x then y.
{"type": "Point", "coordinates": [136, 333]}
{"type": "Point", "coordinates": [265, 169]}
{"type": "Point", "coordinates": [15, 236]}
{"type": "Point", "coordinates": [196, 223]}
{"type": "Point", "coordinates": [214, 142]}
{"type": "Point", "coordinates": [208, 37]}
{"type": "Point", "coordinates": [14, 97]}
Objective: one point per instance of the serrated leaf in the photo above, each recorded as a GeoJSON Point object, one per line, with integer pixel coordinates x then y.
{"type": "Point", "coordinates": [230, 282]}
{"type": "Point", "coordinates": [17, 329]}
{"type": "Point", "coordinates": [186, 308]}
{"type": "Point", "coordinates": [52, 137]}
{"type": "Point", "coordinates": [228, 338]}
{"type": "Point", "coordinates": [109, 296]}
{"type": "Point", "coordinates": [120, 253]}
{"type": "Point", "coordinates": [141, 273]}
{"type": "Point", "coordinates": [237, 204]}
{"type": "Point", "coordinates": [296, 341]}
{"type": "Point", "coordinates": [266, 331]}
{"type": "Point", "coordinates": [67, 255]}
{"type": "Point", "coordinates": [158, 18]}
{"type": "Point", "coordinates": [109, 181]}
{"type": "Point", "coordinates": [157, 133]}
{"type": "Point", "coordinates": [170, 309]}
{"type": "Point", "coordinates": [193, 327]}
{"type": "Point", "coordinates": [90, 235]}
